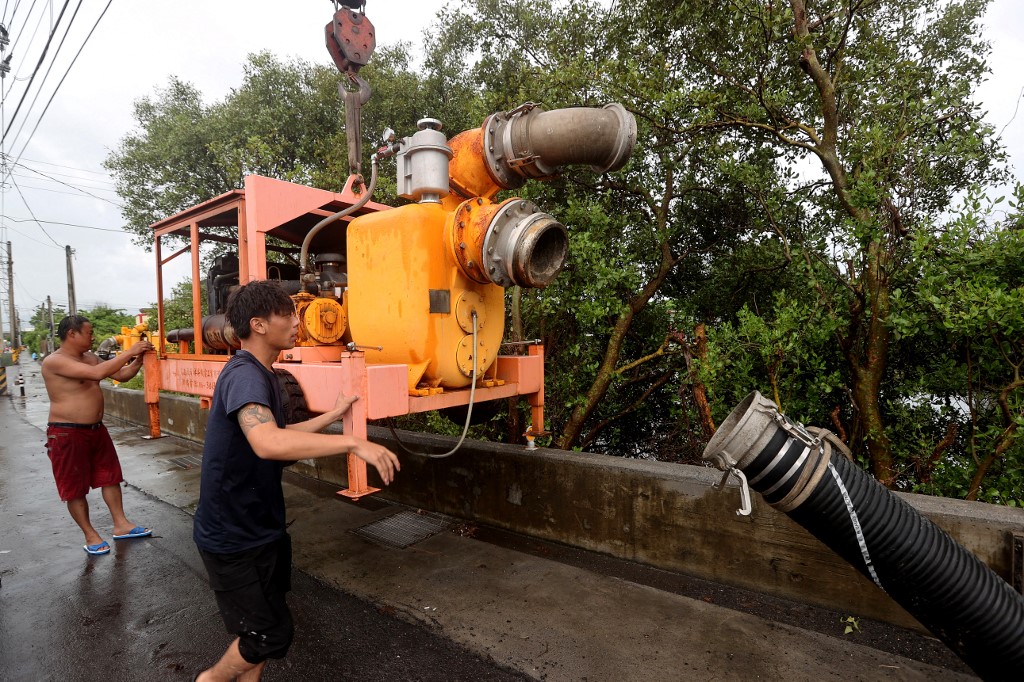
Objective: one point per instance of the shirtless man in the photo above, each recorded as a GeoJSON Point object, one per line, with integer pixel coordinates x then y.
{"type": "Point", "coordinates": [77, 442]}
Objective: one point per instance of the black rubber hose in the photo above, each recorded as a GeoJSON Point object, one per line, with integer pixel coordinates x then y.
{"type": "Point", "coordinates": [949, 590]}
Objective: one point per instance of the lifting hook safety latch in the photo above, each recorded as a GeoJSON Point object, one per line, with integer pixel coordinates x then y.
{"type": "Point", "coordinates": [745, 507]}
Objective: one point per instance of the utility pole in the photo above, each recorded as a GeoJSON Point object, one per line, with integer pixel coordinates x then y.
{"type": "Point", "coordinates": [72, 308]}
{"type": "Point", "coordinates": [5, 68]}
{"type": "Point", "coordinates": [49, 308]}
{"type": "Point", "coordinates": [10, 298]}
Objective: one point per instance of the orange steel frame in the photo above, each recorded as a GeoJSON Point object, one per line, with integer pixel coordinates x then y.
{"type": "Point", "coordinates": [287, 211]}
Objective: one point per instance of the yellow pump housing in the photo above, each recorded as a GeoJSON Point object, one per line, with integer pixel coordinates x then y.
{"type": "Point", "coordinates": [420, 276]}
{"type": "Point", "coordinates": [410, 297]}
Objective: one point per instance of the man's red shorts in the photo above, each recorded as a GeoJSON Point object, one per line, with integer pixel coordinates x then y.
{"type": "Point", "coordinates": [83, 456]}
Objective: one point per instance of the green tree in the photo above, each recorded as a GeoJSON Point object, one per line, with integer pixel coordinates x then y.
{"type": "Point", "coordinates": [284, 121]}
{"type": "Point", "coordinates": [879, 95]}
{"type": "Point", "coordinates": [966, 318]}
{"type": "Point", "coordinates": [37, 339]}
{"type": "Point", "coordinates": [106, 321]}
{"type": "Point", "coordinates": [178, 308]}
{"type": "Point", "coordinates": [794, 163]}
{"type": "Point", "coordinates": [650, 246]}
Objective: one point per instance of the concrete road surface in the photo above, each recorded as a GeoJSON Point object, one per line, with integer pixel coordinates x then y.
{"type": "Point", "coordinates": [447, 606]}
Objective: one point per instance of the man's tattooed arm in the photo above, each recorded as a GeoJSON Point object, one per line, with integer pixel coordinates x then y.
{"type": "Point", "coordinates": [252, 415]}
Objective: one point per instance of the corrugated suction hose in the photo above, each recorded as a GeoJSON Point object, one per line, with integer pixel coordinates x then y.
{"type": "Point", "coordinates": [949, 590]}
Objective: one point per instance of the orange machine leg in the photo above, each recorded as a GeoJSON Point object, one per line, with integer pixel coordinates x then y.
{"type": "Point", "coordinates": [151, 393]}
{"type": "Point", "coordinates": [536, 401]}
{"type": "Point", "coordinates": [354, 382]}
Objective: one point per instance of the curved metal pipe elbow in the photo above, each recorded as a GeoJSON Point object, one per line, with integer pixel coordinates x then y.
{"type": "Point", "coordinates": [529, 142]}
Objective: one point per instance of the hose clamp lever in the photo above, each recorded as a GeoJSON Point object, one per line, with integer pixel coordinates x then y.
{"type": "Point", "coordinates": [745, 506]}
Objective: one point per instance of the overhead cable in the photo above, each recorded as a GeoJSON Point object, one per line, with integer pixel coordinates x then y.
{"type": "Point", "coordinates": [31, 213]}
{"type": "Point", "coordinates": [79, 189]}
{"type": "Point", "coordinates": [75, 168]}
{"type": "Point", "coordinates": [21, 32]}
{"type": "Point", "coordinates": [15, 11]}
{"type": "Point", "coordinates": [53, 60]}
{"type": "Point", "coordinates": [46, 48]}
{"type": "Point", "coordinates": [56, 222]}
{"type": "Point", "coordinates": [50, 101]}
{"type": "Point", "coordinates": [30, 237]}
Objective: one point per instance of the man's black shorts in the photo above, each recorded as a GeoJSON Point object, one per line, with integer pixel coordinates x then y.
{"type": "Point", "coordinates": [250, 587]}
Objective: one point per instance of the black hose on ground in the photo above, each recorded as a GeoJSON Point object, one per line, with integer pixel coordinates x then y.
{"type": "Point", "coordinates": [950, 591]}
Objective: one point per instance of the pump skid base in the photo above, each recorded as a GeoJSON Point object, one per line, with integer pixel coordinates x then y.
{"type": "Point", "coordinates": [382, 389]}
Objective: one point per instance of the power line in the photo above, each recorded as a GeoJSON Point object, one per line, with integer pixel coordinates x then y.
{"type": "Point", "coordinates": [55, 222]}
{"type": "Point", "coordinates": [78, 195]}
{"type": "Point", "coordinates": [98, 188]}
{"type": "Point", "coordinates": [30, 237]}
{"type": "Point", "coordinates": [15, 11]}
{"type": "Point", "coordinates": [46, 75]}
{"type": "Point", "coordinates": [74, 168]}
{"type": "Point", "coordinates": [74, 59]}
{"type": "Point", "coordinates": [46, 48]}
{"type": "Point", "coordinates": [19, 34]}
{"type": "Point", "coordinates": [24, 290]}
{"type": "Point", "coordinates": [30, 212]}
{"type": "Point", "coordinates": [33, 170]}
{"type": "Point", "coordinates": [22, 31]}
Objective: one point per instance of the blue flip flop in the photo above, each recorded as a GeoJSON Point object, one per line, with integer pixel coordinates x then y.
{"type": "Point", "coordinates": [136, 532]}
{"type": "Point", "coordinates": [99, 548]}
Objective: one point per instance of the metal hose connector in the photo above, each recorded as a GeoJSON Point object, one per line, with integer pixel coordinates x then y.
{"type": "Point", "coordinates": [808, 474]}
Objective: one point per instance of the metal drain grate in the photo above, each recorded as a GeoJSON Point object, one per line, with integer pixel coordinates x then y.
{"type": "Point", "coordinates": [403, 529]}
{"type": "Point", "coordinates": [188, 462]}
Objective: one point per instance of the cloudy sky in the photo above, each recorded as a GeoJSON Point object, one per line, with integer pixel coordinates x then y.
{"type": "Point", "coordinates": [135, 47]}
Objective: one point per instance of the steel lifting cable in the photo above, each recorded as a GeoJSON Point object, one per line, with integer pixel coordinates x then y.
{"type": "Point", "coordinates": [469, 411]}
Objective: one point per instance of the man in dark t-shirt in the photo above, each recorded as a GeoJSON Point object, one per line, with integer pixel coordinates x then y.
{"type": "Point", "coordinates": [239, 524]}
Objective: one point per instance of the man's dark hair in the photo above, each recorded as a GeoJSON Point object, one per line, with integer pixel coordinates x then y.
{"type": "Point", "coordinates": [261, 298]}
{"type": "Point", "coordinates": [71, 323]}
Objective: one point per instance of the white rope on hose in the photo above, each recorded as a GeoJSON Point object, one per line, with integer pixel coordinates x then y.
{"type": "Point", "coordinates": [856, 525]}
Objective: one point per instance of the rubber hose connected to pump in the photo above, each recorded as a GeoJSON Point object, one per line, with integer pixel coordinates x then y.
{"type": "Point", "coordinates": [304, 255]}
{"type": "Point", "coordinates": [949, 590]}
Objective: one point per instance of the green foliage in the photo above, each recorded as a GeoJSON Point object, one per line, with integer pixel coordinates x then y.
{"type": "Point", "coordinates": [106, 321]}
{"type": "Point", "coordinates": [284, 121]}
{"type": "Point", "coordinates": [788, 352]}
{"type": "Point", "coordinates": [40, 322]}
{"type": "Point", "coordinates": [178, 308]}
{"type": "Point", "coordinates": [965, 320]}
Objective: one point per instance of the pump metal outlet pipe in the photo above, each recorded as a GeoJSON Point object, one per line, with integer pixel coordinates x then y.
{"type": "Point", "coordinates": [513, 243]}
{"type": "Point", "coordinates": [949, 590]}
{"type": "Point", "coordinates": [529, 142]}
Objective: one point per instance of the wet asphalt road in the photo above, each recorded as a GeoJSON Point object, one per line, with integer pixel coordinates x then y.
{"type": "Point", "coordinates": [145, 612]}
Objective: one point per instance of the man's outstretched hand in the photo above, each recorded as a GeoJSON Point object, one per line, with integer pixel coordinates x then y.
{"type": "Point", "coordinates": [382, 459]}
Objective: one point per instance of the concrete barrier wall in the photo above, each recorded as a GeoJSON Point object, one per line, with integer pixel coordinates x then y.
{"type": "Point", "coordinates": [665, 515]}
